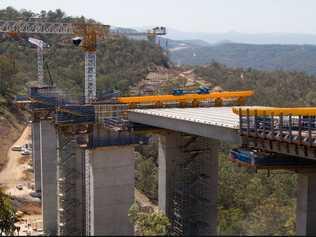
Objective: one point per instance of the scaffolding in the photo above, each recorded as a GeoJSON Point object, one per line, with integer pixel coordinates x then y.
{"type": "Point", "coordinates": [70, 184]}
{"type": "Point", "coordinates": [190, 196]}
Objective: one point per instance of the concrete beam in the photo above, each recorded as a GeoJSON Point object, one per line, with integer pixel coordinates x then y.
{"type": "Point", "coordinates": [110, 179]}
{"type": "Point", "coordinates": [36, 154]}
{"type": "Point", "coordinates": [188, 183]}
{"type": "Point", "coordinates": [48, 176]}
{"type": "Point", "coordinates": [306, 205]}
{"type": "Point", "coordinates": [217, 132]}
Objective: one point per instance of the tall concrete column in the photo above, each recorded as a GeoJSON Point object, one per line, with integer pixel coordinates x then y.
{"type": "Point", "coordinates": [36, 154]}
{"type": "Point", "coordinates": [188, 180]}
{"type": "Point", "coordinates": [306, 205]}
{"type": "Point", "coordinates": [111, 190]}
{"type": "Point", "coordinates": [48, 176]}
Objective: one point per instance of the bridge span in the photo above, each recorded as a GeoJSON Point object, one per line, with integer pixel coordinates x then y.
{"type": "Point", "coordinates": [218, 123]}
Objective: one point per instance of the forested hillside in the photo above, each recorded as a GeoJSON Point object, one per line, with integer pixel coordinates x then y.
{"type": "Point", "coordinates": [264, 57]}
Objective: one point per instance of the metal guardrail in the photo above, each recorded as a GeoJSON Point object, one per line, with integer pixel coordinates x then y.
{"type": "Point", "coordinates": [290, 125]}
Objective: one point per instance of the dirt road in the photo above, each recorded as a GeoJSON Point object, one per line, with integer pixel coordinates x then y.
{"type": "Point", "coordinates": [13, 173]}
{"type": "Point", "coordinates": [17, 171]}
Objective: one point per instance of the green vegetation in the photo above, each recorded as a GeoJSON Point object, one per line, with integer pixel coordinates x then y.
{"type": "Point", "coordinates": [255, 203]}
{"type": "Point", "coordinates": [147, 169]}
{"type": "Point", "coordinates": [153, 223]}
{"type": "Point", "coordinates": [8, 217]}
{"type": "Point", "coordinates": [263, 57]}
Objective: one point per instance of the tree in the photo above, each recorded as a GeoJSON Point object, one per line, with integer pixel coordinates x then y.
{"type": "Point", "coordinates": [8, 217]}
{"type": "Point", "coordinates": [153, 223]}
{"type": "Point", "coordinates": [147, 177]}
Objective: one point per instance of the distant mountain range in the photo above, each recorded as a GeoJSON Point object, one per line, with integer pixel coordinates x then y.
{"type": "Point", "coordinates": [232, 36]}
{"type": "Point", "coordinates": [275, 51]}
{"type": "Point", "coordinates": [264, 57]}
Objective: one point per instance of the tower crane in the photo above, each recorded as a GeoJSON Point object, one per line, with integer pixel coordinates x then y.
{"type": "Point", "coordinates": [40, 45]}
{"type": "Point", "coordinates": [88, 33]}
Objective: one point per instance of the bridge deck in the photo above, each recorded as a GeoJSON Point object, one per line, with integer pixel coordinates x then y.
{"type": "Point", "coordinates": [216, 122]}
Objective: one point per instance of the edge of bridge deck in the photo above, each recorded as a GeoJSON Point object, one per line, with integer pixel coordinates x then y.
{"type": "Point", "coordinates": [216, 122]}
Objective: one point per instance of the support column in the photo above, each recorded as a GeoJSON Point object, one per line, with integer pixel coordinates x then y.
{"type": "Point", "coordinates": [111, 190]}
{"type": "Point", "coordinates": [48, 176]}
{"type": "Point", "coordinates": [36, 154]}
{"type": "Point", "coordinates": [188, 180]}
{"type": "Point", "coordinates": [306, 205]}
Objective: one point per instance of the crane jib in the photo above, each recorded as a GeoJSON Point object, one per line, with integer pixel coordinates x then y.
{"type": "Point", "coordinates": [36, 27]}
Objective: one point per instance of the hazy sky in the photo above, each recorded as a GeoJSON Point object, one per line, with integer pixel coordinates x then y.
{"type": "Point", "coordinates": [247, 16]}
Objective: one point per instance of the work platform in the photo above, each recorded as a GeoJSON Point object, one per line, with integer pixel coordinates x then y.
{"type": "Point", "coordinates": [290, 131]}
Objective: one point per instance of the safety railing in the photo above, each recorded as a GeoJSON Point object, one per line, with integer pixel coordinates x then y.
{"type": "Point", "coordinates": [71, 114]}
{"type": "Point", "coordinates": [113, 116]}
{"type": "Point", "coordinates": [291, 125]}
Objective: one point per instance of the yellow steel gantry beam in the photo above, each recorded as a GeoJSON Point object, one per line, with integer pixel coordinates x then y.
{"type": "Point", "coordinates": [185, 98]}
{"type": "Point", "coordinates": [275, 111]}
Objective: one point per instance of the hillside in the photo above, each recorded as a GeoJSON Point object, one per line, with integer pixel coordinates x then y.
{"type": "Point", "coordinates": [120, 62]}
{"type": "Point", "coordinates": [264, 57]}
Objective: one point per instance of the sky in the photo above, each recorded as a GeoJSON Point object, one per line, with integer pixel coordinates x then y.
{"type": "Point", "coordinates": [209, 16]}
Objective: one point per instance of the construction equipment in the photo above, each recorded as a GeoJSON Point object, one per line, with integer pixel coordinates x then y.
{"type": "Point", "coordinates": [87, 35]}
{"type": "Point", "coordinates": [201, 90]}
{"type": "Point", "coordinates": [289, 131]}
{"type": "Point", "coordinates": [186, 98]}
{"type": "Point", "coordinates": [271, 161]}
{"type": "Point", "coordinates": [40, 57]}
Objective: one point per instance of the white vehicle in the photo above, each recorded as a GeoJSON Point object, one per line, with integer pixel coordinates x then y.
{"type": "Point", "coordinates": [26, 152]}
{"type": "Point", "coordinates": [19, 187]}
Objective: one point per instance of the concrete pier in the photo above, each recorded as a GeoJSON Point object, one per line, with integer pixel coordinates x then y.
{"type": "Point", "coordinates": [36, 154]}
{"type": "Point", "coordinates": [110, 192]}
{"type": "Point", "coordinates": [306, 205]}
{"type": "Point", "coordinates": [188, 180]}
{"type": "Point", "coordinates": [48, 176]}
{"type": "Point", "coordinates": [70, 186]}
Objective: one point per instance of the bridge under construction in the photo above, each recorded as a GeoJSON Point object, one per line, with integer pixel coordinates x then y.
{"type": "Point", "coordinates": [83, 150]}
{"type": "Point", "coordinates": [84, 156]}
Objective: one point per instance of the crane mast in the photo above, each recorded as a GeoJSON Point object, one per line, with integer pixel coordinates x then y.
{"type": "Point", "coordinates": [40, 58]}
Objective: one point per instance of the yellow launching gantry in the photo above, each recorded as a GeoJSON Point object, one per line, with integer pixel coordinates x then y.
{"type": "Point", "coordinates": [188, 99]}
